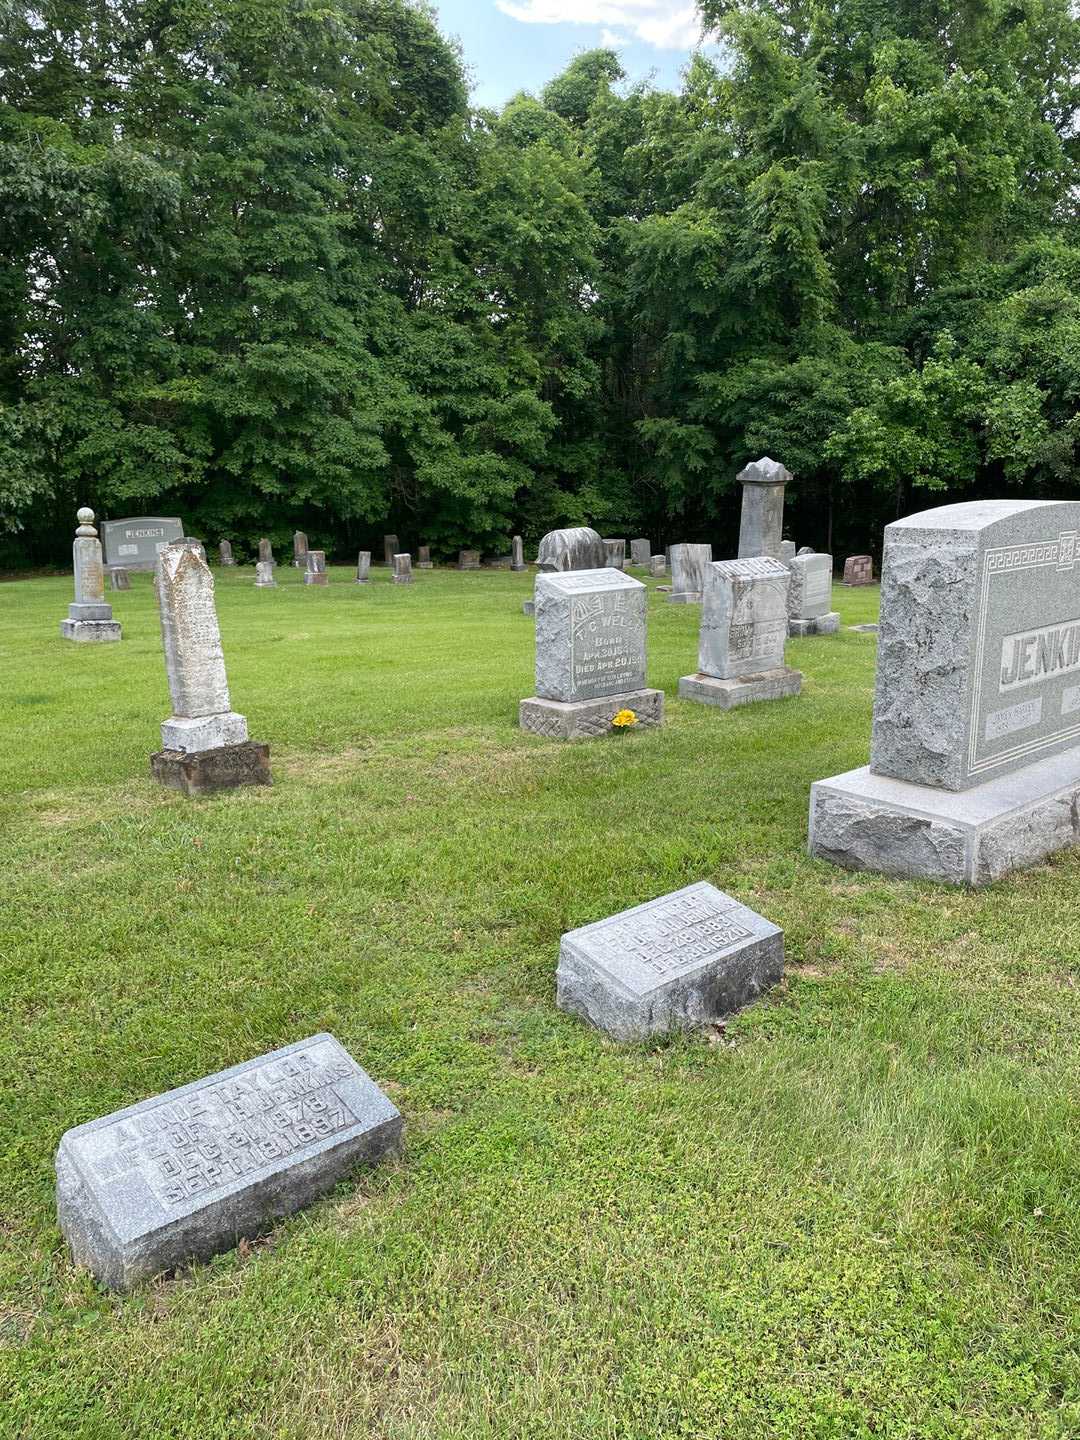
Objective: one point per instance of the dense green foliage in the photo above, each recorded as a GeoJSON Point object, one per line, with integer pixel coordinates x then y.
{"type": "Point", "coordinates": [260, 264]}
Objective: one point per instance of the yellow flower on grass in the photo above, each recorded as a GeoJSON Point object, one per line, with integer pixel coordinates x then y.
{"type": "Point", "coordinates": [624, 719]}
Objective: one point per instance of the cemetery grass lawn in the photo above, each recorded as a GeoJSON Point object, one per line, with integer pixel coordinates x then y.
{"type": "Point", "coordinates": [853, 1212]}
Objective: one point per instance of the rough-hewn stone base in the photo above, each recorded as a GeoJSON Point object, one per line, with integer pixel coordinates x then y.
{"type": "Point", "coordinates": [745, 690]}
{"type": "Point", "coordinates": [585, 719]}
{"type": "Point", "coordinates": [968, 837]}
{"type": "Point", "coordinates": [90, 632]}
{"type": "Point", "coordinates": [202, 772]}
{"type": "Point", "coordinates": [819, 625]}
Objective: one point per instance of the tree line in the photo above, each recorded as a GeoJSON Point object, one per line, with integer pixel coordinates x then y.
{"type": "Point", "coordinates": [263, 266]}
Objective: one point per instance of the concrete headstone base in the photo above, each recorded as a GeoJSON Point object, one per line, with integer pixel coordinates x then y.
{"type": "Point", "coordinates": [90, 632]}
{"type": "Point", "coordinates": [202, 772]}
{"type": "Point", "coordinates": [586, 719]}
{"type": "Point", "coordinates": [819, 625]}
{"type": "Point", "coordinates": [203, 732]}
{"type": "Point", "coordinates": [970, 837]}
{"type": "Point", "coordinates": [744, 690]}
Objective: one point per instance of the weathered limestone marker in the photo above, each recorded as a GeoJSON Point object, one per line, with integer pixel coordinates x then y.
{"type": "Point", "coordinates": [90, 619]}
{"type": "Point", "coordinates": [810, 596]}
{"type": "Point", "coordinates": [468, 560]}
{"type": "Point", "coordinates": [578, 548]}
{"type": "Point", "coordinates": [315, 574]}
{"type": "Point", "coordinates": [403, 570]}
{"type": "Point", "coordinates": [423, 559]}
{"type": "Point", "coordinates": [689, 564]}
{"type": "Point", "coordinates": [225, 552]}
{"type": "Point", "coordinates": [690, 958]}
{"type": "Point", "coordinates": [391, 546]}
{"type": "Point", "coordinates": [264, 575]}
{"type": "Point", "coordinates": [762, 524]}
{"type": "Point", "coordinates": [615, 554]}
{"type": "Point", "coordinates": [658, 566]}
{"type": "Point", "coordinates": [640, 552]}
{"type": "Point", "coordinates": [188, 1174]}
{"type": "Point", "coordinates": [363, 567]}
{"type": "Point", "coordinates": [975, 754]}
{"type": "Point", "coordinates": [517, 553]}
{"type": "Point", "coordinates": [266, 552]}
{"type": "Point", "coordinates": [134, 544]}
{"type": "Point", "coordinates": [119, 580]}
{"type": "Point", "coordinates": [744, 624]}
{"type": "Point", "coordinates": [859, 570]}
{"type": "Point", "coordinates": [205, 743]}
{"type": "Point", "coordinates": [300, 550]}
{"type": "Point", "coordinates": [787, 551]}
{"type": "Point", "coordinates": [590, 655]}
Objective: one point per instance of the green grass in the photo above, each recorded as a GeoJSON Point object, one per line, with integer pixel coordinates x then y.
{"type": "Point", "coordinates": [852, 1212]}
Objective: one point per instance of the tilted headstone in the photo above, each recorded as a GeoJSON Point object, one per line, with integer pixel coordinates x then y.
{"type": "Point", "coordinates": [640, 552]}
{"type": "Point", "coordinates": [615, 554]}
{"type": "Point", "coordinates": [590, 655]}
{"type": "Point", "coordinates": [787, 551]}
{"type": "Point", "coordinates": [744, 626]}
{"type": "Point", "coordinates": [390, 548]}
{"type": "Point", "coordinates": [810, 609]}
{"type": "Point", "coordinates": [578, 548]}
{"type": "Point", "coordinates": [658, 566]}
{"type": "Point", "coordinates": [205, 743]}
{"type": "Point", "coordinates": [90, 618]}
{"type": "Point", "coordinates": [134, 544]}
{"type": "Point", "coordinates": [188, 1174]}
{"type": "Point", "coordinates": [468, 560]}
{"type": "Point", "coordinates": [975, 751]}
{"type": "Point", "coordinates": [300, 550]}
{"type": "Point", "coordinates": [315, 574]}
{"type": "Point", "coordinates": [119, 580]}
{"type": "Point", "coordinates": [517, 553]}
{"type": "Point", "coordinates": [225, 552]}
{"type": "Point", "coordinates": [762, 524]}
{"type": "Point", "coordinates": [264, 575]}
{"type": "Point", "coordinates": [689, 564]}
{"type": "Point", "coordinates": [691, 958]}
{"type": "Point", "coordinates": [403, 570]}
{"type": "Point", "coordinates": [363, 567]}
{"type": "Point", "coordinates": [266, 552]}
{"type": "Point", "coordinates": [423, 561]}
{"type": "Point", "coordinates": [859, 570]}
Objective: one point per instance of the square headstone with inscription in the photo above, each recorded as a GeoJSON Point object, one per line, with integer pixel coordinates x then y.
{"type": "Point", "coordinates": [975, 750]}
{"type": "Point", "coordinates": [640, 552]}
{"type": "Point", "coordinates": [687, 959]}
{"type": "Point", "coordinates": [590, 655]}
{"type": "Point", "coordinates": [810, 609]}
{"type": "Point", "coordinates": [188, 1174]}
{"type": "Point", "coordinates": [744, 625]}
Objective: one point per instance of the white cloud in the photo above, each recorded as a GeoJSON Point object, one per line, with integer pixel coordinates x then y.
{"type": "Point", "coordinates": [664, 24]}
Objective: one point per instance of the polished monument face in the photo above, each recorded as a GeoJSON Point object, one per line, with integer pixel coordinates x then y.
{"type": "Point", "coordinates": [590, 634]}
{"type": "Point", "coordinates": [979, 653]}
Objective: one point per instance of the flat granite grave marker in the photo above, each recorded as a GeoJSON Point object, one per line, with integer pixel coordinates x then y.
{"type": "Point", "coordinates": [577, 548]}
{"type": "Point", "coordinates": [205, 745]}
{"type": "Point", "coordinates": [363, 567]}
{"type": "Point", "coordinates": [134, 544]}
{"type": "Point", "coordinates": [590, 655]}
{"type": "Point", "coordinates": [859, 570]}
{"type": "Point", "coordinates": [423, 558]}
{"type": "Point", "coordinates": [225, 552]}
{"type": "Point", "coordinates": [761, 525]}
{"type": "Point", "coordinates": [517, 553]}
{"type": "Point", "coordinates": [640, 552]}
{"type": "Point", "coordinates": [89, 618]}
{"type": "Point", "coordinates": [468, 560]}
{"type": "Point", "coordinates": [744, 624]}
{"type": "Point", "coordinates": [688, 566]}
{"type": "Point", "coordinates": [810, 596]}
{"type": "Point", "coordinates": [185, 1175]}
{"type": "Point", "coordinates": [690, 958]}
{"type": "Point", "coordinates": [975, 752]}
{"type": "Point", "coordinates": [264, 575]}
{"type": "Point", "coordinates": [403, 570]}
{"type": "Point", "coordinates": [315, 573]}
{"type": "Point", "coordinates": [300, 550]}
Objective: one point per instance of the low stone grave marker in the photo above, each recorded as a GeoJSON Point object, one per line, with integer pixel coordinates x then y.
{"type": "Point", "coordinates": [517, 553]}
{"type": "Point", "coordinates": [391, 546]}
{"type": "Point", "coordinates": [225, 554]}
{"type": "Point", "coordinates": [423, 558]}
{"type": "Point", "coordinates": [134, 544]}
{"type": "Point", "coordinates": [264, 575]}
{"type": "Point", "coordinates": [615, 554]}
{"type": "Point", "coordinates": [300, 550]}
{"type": "Point", "coordinates": [468, 560]}
{"type": "Point", "coordinates": [688, 566]}
{"type": "Point", "coordinates": [315, 573]}
{"type": "Point", "coordinates": [119, 580]}
{"type": "Point", "coordinates": [744, 625]}
{"type": "Point", "coordinates": [403, 570]}
{"type": "Point", "coordinates": [859, 570]}
{"type": "Point", "coordinates": [690, 958]}
{"type": "Point", "coordinates": [185, 1175]}
{"type": "Point", "coordinates": [576, 548]}
{"type": "Point", "coordinates": [640, 552]}
{"type": "Point", "coordinates": [810, 596]}
{"type": "Point", "coordinates": [658, 566]}
{"type": "Point", "coordinates": [787, 551]}
{"type": "Point", "coordinates": [266, 552]}
{"type": "Point", "coordinates": [363, 567]}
